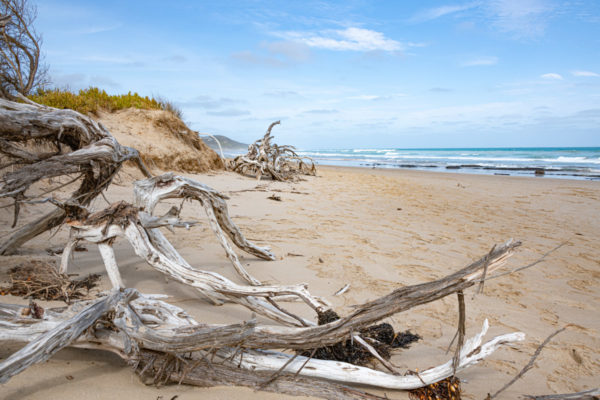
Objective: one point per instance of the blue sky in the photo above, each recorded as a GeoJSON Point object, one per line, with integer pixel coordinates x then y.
{"type": "Point", "coordinates": [341, 74]}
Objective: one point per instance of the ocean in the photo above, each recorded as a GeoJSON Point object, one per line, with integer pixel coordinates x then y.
{"type": "Point", "coordinates": [558, 162]}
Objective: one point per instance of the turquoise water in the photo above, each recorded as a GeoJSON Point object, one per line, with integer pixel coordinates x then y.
{"type": "Point", "coordinates": [557, 162]}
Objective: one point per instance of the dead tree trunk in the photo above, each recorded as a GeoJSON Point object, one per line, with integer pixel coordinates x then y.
{"type": "Point", "coordinates": [45, 142]}
{"type": "Point", "coordinates": [157, 334]}
{"type": "Point", "coordinates": [280, 163]}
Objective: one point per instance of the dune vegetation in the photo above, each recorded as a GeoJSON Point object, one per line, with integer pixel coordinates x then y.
{"type": "Point", "coordinates": [93, 99]}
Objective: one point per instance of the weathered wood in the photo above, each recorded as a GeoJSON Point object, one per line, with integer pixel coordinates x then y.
{"type": "Point", "coordinates": [79, 145]}
{"type": "Point", "coordinates": [153, 247]}
{"type": "Point", "coordinates": [280, 163]}
{"type": "Point", "coordinates": [65, 333]}
{"type": "Point", "coordinates": [149, 192]}
{"type": "Point", "coordinates": [136, 323]}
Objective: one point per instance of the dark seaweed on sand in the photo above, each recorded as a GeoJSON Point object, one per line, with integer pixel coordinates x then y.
{"type": "Point", "coordinates": [446, 389]}
{"type": "Point", "coordinates": [382, 337]}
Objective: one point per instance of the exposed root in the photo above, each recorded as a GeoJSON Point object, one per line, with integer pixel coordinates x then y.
{"type": "Point", "coordinates": [280, 163]}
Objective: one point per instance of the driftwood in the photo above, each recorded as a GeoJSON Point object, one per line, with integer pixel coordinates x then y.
{"type": "Point", "coordinates": [125, 220]}
{"type": "Point", "coordinates": [162, 342]}
{"type": "Point", "coordinates": [280, 163]}
{"type": "Point", "coordinates": [139, 323]}
{"type": "Point", "coordinates": [45, 142]}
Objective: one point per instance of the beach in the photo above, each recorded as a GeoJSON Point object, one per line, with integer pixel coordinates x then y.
{"type": "Point", "coordinates": [377, 230]}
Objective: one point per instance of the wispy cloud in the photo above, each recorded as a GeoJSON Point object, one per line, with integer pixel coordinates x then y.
{"type": "Point", "coordinates": [321, 111]}
{"type": "Point", "coordinates": [292, 51]}
{"type": "Point", "coordinates": [349, 39]}
{"type": "Point", "coordinates": [104, 81]}
{"type": "Point", "coordinates": [365, 97]}
{"type": "Point", "coordinates": [248, 57]}
{"type": "Point", "coordinates": [552, 76]}
{"type": "Point", "coordinates": [232, 112]}
{"type": "Point", "coordinates": [440, 90]}
{"type": "Point", "coordinates": [99, 29]}
{"type": "Point", "coordinates": [208, 102]}
{"type": "Point", "coordinates": [278, 54]}
{"type": "Point", "coordinates": [585, 73]}
{"type": "Point", "coordinates": [480, 61]}
{"type": "Point", "coordinates": [127, 61]}
{"type": "Point", "coordinates": [281, 93]}
{"type": "Point", "coordinates": [521, 18]}
{"type": "Point", "coordinates": [437, 12]}
{"type": "Point", "coordinates": [176, 58]}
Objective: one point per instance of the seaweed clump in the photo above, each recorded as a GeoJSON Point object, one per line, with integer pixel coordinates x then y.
{"type": "Point", "coordinates": [381, 336]}
{"type": "Point", "coordinates": [446, 389]}
{"type": "Point", "coordinates": [40, 280]}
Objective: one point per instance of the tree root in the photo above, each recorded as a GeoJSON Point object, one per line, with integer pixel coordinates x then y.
{"type": "Point", "coordinates": [280, 163]}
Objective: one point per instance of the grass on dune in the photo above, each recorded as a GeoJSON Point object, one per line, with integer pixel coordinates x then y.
{"type": "Point", "coordinates": [93, 99]}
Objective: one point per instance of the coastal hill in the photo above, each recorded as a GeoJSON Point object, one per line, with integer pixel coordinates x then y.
{"type": "Point", "coordinates": [152, 126]}
{"type": "Point", "coordinates": [226, 143]}
{"type": "Point", "coordinates": [163, 140]}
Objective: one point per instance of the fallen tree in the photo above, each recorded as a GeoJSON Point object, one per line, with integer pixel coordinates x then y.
{"type": "Point", "coordinates": [169, 346]}
{"type": "Point", "coordinates": [45, 142]}
{"type": "Point", "coordinates": [280, 163]}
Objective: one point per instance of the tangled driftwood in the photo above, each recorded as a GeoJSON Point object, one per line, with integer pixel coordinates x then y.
{"type": "Point", "coordinates": [161, 340]}
{"type": "Point", "coordinates": [280, 163]}
{"type": "Point", "coordinates": [160, 337]}
{"type": "Point", "coordinates": [45, 142]}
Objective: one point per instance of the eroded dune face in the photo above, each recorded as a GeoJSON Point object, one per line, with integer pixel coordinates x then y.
{"type": "Point", "coordinates": [162, 139]}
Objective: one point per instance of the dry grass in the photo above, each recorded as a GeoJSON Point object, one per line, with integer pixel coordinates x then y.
{"type": "Point", "coordinates": [93, 99]}
{"type": "Point", "coordinates": [41, 280]}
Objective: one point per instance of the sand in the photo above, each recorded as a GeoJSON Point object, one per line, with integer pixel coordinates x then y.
{"type": "Point", "coordinates": [377, 230]}
{"type": "Point", "coordinates": [163, 140]}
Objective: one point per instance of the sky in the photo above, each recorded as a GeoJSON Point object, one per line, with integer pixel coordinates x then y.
{"type": "Point", "coordinates": [345, 74]}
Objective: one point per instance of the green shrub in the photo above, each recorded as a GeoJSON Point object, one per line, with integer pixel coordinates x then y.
{"type": "Point", "coordinates": [92, 99]}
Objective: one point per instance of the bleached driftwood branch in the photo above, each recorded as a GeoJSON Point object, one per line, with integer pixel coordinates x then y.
{"type": "Point", "coordinates": [130, 323]}
{"type": "Point", "coordinates": [123, 220]}
{"type": "Point", "coordinates": [46, 142]}
{"type": "Point", "coordinates": [281, 163]}
{"type": "Point", "coordinates": [149, 192]}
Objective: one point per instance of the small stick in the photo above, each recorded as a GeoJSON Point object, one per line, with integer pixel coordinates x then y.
{"type": "Point", "coordinates": [461, 330]}
{"type": "Point", "coordinates": [276, 374]}
{"type": "Point", "coordinates": [485, 268]}
{"type": "Point", "coordinates": [585, 395]}
{"type": "Point", "coordinates": [529, 364]}
{"type": "Point", "coordinates": [343, 290]}
{"type": "Point", "coordinates": [312, 354]}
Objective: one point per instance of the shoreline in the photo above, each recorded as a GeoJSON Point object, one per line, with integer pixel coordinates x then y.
{"type": "Point", "coordinates": [548, 171]}
{"type": "Point", "coordinates": [457, 175]}
{"type": "Point", "coordinates": [470, 169]}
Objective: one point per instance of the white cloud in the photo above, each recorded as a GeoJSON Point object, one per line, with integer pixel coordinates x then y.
{"type": "Point", "coordinates": [552, 75]}
{"type": "Point", "coordinates": [480, 61]}
{"type": "Point", "coordinates": [437, 12]}
{"type": "Point", "coordinates": [349, 39]}
{"type": "Point", "coordinates": [293, 51]}
{"type": "Point", "coordinates": [365, 97]}
{"type": "Point", "coordinates": [585, 73]}
{"type": "Point", "coordinates": [522, 18]}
